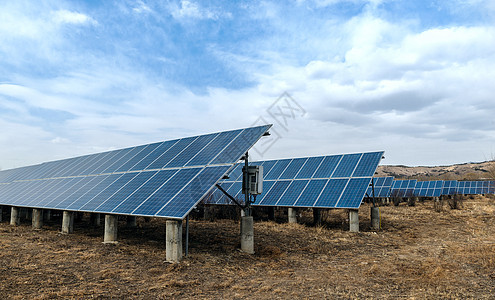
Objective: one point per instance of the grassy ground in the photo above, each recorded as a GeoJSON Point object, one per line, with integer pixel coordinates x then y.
{"type": "Point", "coordinates": [420, 253]}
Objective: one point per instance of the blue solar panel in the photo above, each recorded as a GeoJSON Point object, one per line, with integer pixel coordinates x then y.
{"type": "Point", "coordinates": [309, 182]}
{"type": "Point", "coordinates": [332, 193]}
{"type": "Point", "coordinates": [292, 193]}
{"type": "Point", "coordinates": [347, 165]}
{"type": "Point", "coordinates": [403, 188]}
{"type": "Point", "coordinates": [309, 167]}
{"type": "Point", "coordinates": [293, 168]}
{"type": "Point", "coordinates": [163, 179]}
{"type": "Point", "coordinates": [382, 187]}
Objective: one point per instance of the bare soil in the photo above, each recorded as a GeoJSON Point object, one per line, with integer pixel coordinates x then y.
{"type": "Point", "coordinates": [419, 253]}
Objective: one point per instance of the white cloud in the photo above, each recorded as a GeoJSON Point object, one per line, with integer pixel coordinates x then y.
{"type": "Point", "coordinates": [70, 17]}
{"type": "Point", "coordinates": [192, 10]}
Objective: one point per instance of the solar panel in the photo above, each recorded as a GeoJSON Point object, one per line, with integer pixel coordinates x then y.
{"type": "Point", "coordinates": [475, 187]}
{"type": "Point", "coordinates": [449, 187]}
{"type": "Point", "coordinates": [382, 187]}
{"type": "Point", "coordinates": [403, 188]}
{"type": "Point", "coordinates": [165, 179]}
{"type": "Point", "coordinates": [428, 188]}
{"type": "Point", "coordinates": [336, 181]}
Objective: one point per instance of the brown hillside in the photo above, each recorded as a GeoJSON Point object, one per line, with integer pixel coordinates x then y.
{"type": "Point", "coordinates": [467, 171]}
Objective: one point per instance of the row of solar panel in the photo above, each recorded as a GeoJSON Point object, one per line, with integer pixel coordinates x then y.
{"type": "Point", "coordinates": [203, 150]}
{"type": "Point", "coordinates": [387, 187]}
{"type": "Point", "coordinates": [161, 179]}
{"type": "Point", "coordinates": [148, 193]}
{"type": "Point", "coordinates": [325, 181]}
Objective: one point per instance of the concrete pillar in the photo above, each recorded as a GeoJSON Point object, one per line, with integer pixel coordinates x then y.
{"type": "Point", "coordinates": [15, 216]}
{"type": "Point", "coordinates": [317, 216]}
{"type": "Point", "coordinates": [131, 222]}
{"type": "Point", "coordinates": [243, 213]}
{"type": "Point", "coordinates": [47, 215]}
{"type": "Point", "coordinates": [37, 218]}
{"type": "Point", "coordinates": [292, 214]}
{"type": "Point", "coordinates": [95, 219]}
{"type": "Point", "coordinates": [375, 218]}
{"type": "Point", "coordinates": [247, 234]}
{"type": "Point", "coordinates": [111, 225]}
{"type": "Point", "coordinates": [173, 240]}
{"type": "Point", "coordinates": [67, 222]}
{"type": "Point", "coordinates": [353, 220]}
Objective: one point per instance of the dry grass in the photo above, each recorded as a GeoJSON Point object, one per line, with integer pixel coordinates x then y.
{"type": "Point", "coordinates": [420, 253]}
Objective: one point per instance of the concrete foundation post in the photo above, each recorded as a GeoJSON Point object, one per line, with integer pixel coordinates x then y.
{"type": "Point", "coordinates": [375, 218]}
{"type": "Point", "coordinates": [353, 220]}
{"type": "Point", "coordinates": [37, 218]}
{"type": "Point", "coordinates": [243, 213]}
{"type": "Point", "coordinates": [131, 222]}
{"type": "Point", "coordinates": [173, 240]}
{"type": "Point", "coordinates": [67, 222]}
{"type": "Point", "coordinates": [95, 219]}
{"type": "Point", "coordinates": [15, 216]}
{"type": "Point", "coordinates": [247, 234]}
{"type": "Point", "coordinates": [292, 215]}
{"type": "Point", "coordinates": [317, 216]}
{"type": "Point", "coordinates": [111, 225]}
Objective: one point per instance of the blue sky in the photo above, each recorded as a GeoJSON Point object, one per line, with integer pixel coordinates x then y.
{"type": "Point", "coordinates": [413, 78]}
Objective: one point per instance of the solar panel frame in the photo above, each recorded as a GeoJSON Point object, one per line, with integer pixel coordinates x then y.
{"type": "Point", "coordinates": [277, 184]}
{"type": "Point", "coordinates": [82, 187]}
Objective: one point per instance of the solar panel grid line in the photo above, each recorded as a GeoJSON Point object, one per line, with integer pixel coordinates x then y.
{"type": "Point", "coordinates": [53, 186]}
{"type": "Point", "coordinates": [235, 147]}
{"type": "Point", "coordinates": [156, 151]}
{"type": "Point", "coordinates": [128, 187]}
{"type": "Point", "coordinates": [71, 163]}
{"type": "Point", "coordinates": [79, 162]}
{"type": "Point", "coordinates": [327, 184]}
{"type": "Point", "coordinates": [201, 185]}
{"type": "Point", "coordinates": [137, 155]}
{"type": "Point", "coordinates": [91, 204]}
{"type": "Point", "coordinates": [179, 191]}
{"type": "Point", "coordinates": [170, 154]}
{"type": "Point", "coordinates": [121, 160]}
{"type": "Point", "coordinates": [333, 166]}
{"type": "Point", "coordinates": [301, 168]}
{"type": "Point", "coordinates": [126, 203]}
{"type": "Point", "coordinates": [353, 170]}
{"type": "Point", "coordinates": [177, 161]}
{"type": "Point", "coordinates": [82, 199]}
{"type": "Point", "coordinates": [95, 179]}
{"type": "Point", "coordinates": [153, 192]}
{"type": "Point", "coordinates": [61, 200]}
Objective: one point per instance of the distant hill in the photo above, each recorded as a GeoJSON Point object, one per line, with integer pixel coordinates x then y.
{"type": "Point", "coordinates": [467, 171]}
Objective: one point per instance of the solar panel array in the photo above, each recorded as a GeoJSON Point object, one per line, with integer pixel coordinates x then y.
{"type": "Point", "coordinates": [381, 185]}
{"type": "Point", "coordinates": [337, 181]}
{"type": "Point", "coordinates": [428, 188]}
{"type": "Point", "coordinates": [403, 188]}
{"type": "Point", "coordinates": [476, 187]}
{"type": "Point", "coordinates": [165, 179]}
{"type": "Point", "coordinates": [449, 187]}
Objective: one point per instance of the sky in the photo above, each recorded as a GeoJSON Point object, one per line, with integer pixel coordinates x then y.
{"type": "Point", "coordinates": [412, 78]}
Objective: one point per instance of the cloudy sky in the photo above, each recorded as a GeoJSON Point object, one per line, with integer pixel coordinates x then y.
{"type": "Point", "coordinates": [412, 78]}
